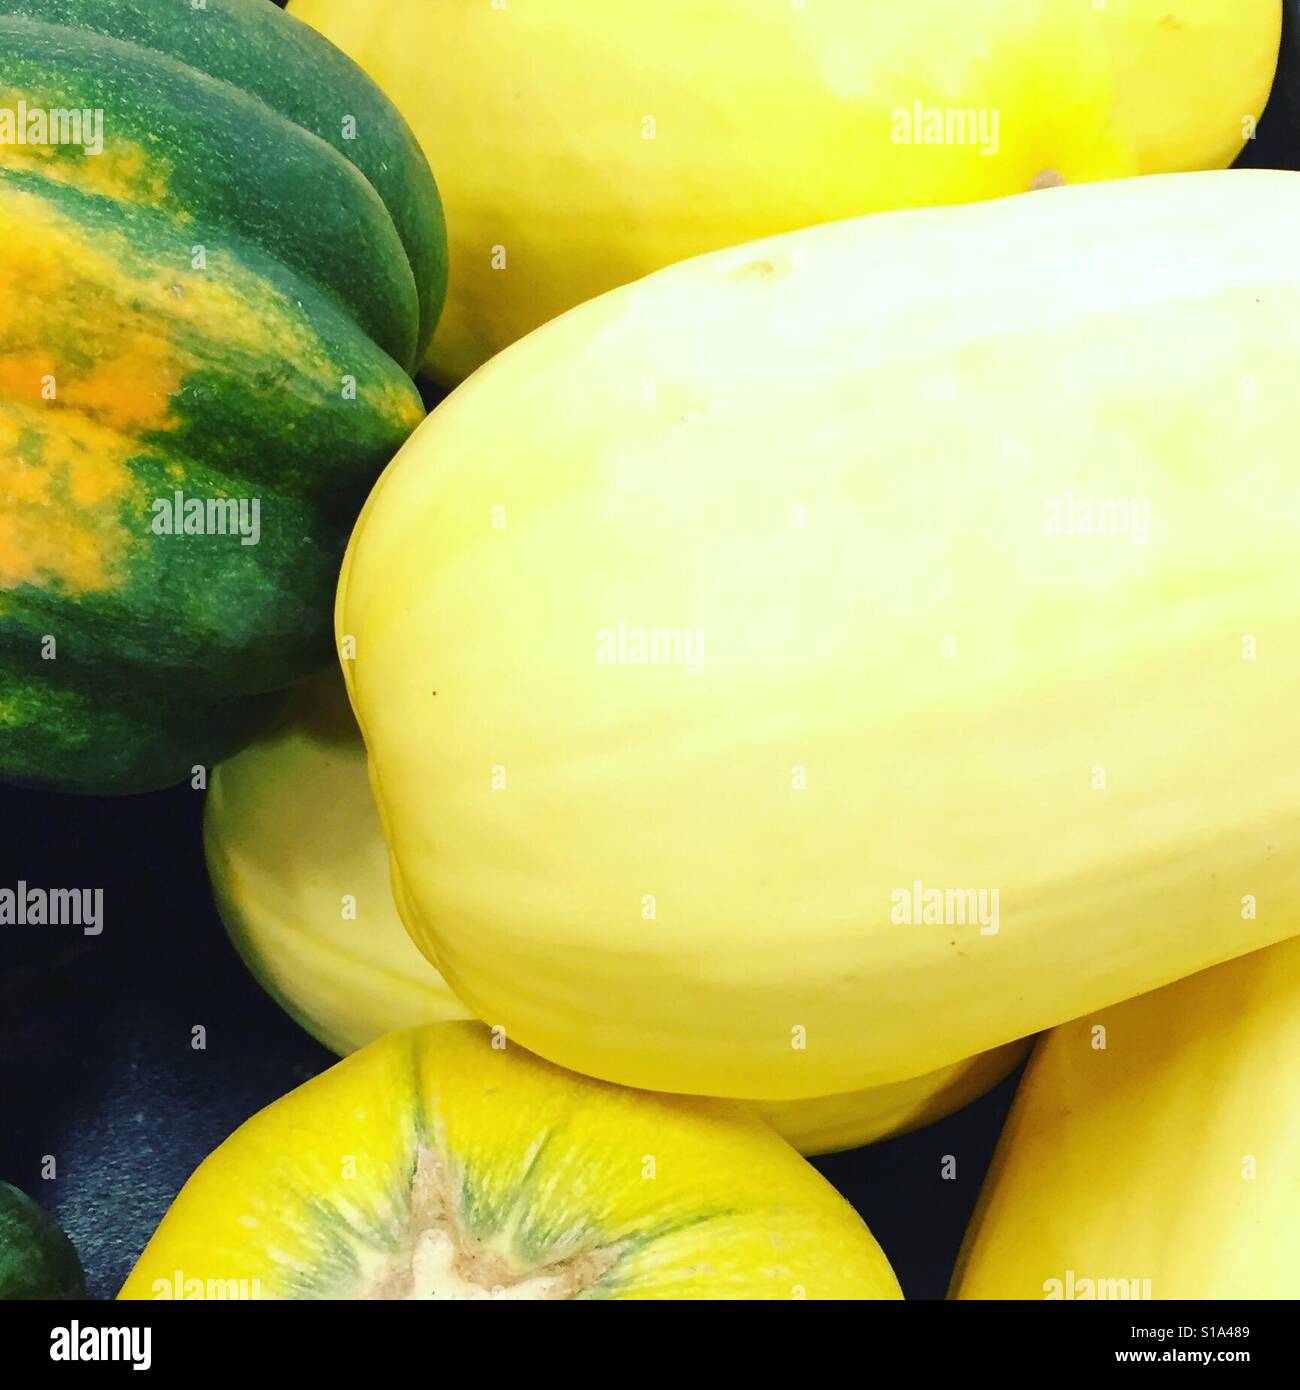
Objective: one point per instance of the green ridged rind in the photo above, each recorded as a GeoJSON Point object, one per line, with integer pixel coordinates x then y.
{"type": "Point", "coordinates": [225, 162]}
{"type": "Point", "coordinates": [112, 737]}
{"type": "Point", "coordinates": [37, 1261]}
{"type": "Point", "coordinates": [146, 675]}
{"type": "Point", "coordinates": [287, 65]}
{"type": "Point", "coordinates": [224, 129]}
{"type": "Point", "coordinates": [283, 412]}
{"type": "Point", "coordinates": [279, 429]}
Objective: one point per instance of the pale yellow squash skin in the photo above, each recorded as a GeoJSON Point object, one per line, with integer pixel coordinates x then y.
{"type": "Point", "coordinates": [435, 1164]}
{"type": "Point", "coordinates": [827, 1124]}
{"type": "Point", "coordinates": [581, 144]}
{"type": "Point", "coordinates": [1193, 76]}
{"type": "Point", "coordinates": [1169, 1157]}
{"type": "Point", "coordinates": [299, 870]}
{"type": "Point", "coordinates": [838, 464]}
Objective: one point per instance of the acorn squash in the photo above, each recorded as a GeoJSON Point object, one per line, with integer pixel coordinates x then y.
{"type": "Point", "coordinates": [836, 656]}
{"type": "Point", "coordinates": [37, 1261]}
{"type": "Point", "coordinates": [223, 255]}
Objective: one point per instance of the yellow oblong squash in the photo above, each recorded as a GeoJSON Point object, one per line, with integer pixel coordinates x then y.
{"type": "Point", "coordinates": [1153, 1150]}
{"type": "Point", "coordinates": [1192, 76]}
{"type": "Point", "coordinates": [299, 871]}
{"type": "Point", "coordinates": [709, 633]}
{"type": "Point", "coordinates": [579, 145]}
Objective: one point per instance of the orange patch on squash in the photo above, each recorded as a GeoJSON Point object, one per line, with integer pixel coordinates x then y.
{"type": "Point", "coordinates": [85, 376]}
{"type": "Point", "coordinates": [123, 170]}
{"type": "Point", "coordinates": [97, 340]}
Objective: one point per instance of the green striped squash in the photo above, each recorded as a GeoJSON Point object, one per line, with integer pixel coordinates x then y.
{"type": "Point", "coordinates": [210, 307]}
{"type": "Point", "coordinates": [37, 1260]}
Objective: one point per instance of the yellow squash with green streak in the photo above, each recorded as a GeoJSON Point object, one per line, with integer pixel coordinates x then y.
{"type": "Point", "coordinates": [300, 873]}
{"type": "Point", "coordinates": [581, 144]}
{"type": "Point", "coordinates": [825, 660]}
{"type": "Point", "coordinates": [441, 1163]}
{"type": "Point", "coordinates": [1154, 1150]}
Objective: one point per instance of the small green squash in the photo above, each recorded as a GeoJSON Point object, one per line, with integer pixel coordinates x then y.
{"type": "Point", "coordinates": [37, 1260]}
{"type": "Point", "coordinates": [224, 255]}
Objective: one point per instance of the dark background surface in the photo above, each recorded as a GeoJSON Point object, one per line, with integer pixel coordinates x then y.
{"type": "Point", "coordinates": [95, 1034]}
